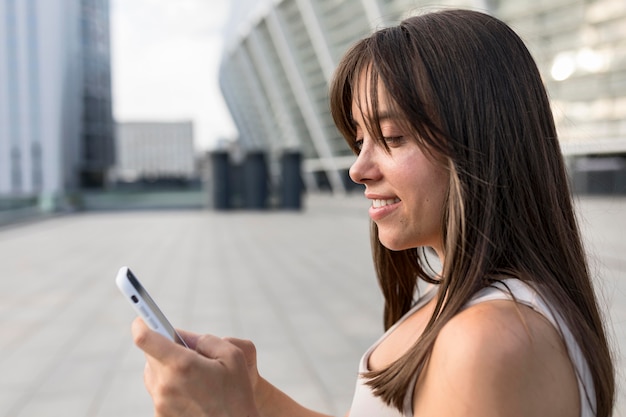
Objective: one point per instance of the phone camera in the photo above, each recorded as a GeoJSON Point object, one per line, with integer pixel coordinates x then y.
{"type": "Point", "coordinates": [134, 298]}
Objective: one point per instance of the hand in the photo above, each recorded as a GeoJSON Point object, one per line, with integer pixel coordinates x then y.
{"type": "Point", "coordinates": [214, 377]}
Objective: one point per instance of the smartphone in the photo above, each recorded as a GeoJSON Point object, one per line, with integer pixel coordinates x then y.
{"type": "Point", "coordinates": [145, 306]}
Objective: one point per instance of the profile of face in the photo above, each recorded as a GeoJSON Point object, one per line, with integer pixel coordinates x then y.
{"type": "Point", "coordinates": [406, 185]}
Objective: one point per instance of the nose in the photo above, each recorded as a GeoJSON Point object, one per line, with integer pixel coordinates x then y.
{"type": "Point", "coordinates": [365, 169]}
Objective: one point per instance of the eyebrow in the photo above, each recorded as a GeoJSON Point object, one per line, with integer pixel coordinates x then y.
{"type": "Point", "coordinates": [382, 116]}
{"type": "Point", "coordinates": [386, 115]}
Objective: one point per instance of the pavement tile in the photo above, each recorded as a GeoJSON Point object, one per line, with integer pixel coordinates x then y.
{"type": "Point", "coordinates": [300, 284]}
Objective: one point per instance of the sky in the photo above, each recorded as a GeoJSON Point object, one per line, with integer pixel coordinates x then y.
{"type": "Point", "coordinates": [165, 57]}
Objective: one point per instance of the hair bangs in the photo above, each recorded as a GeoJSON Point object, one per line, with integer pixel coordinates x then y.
{"type": "Point", "coordinates": [360, 79]}
{"type": "Point", "coordinates": [343, 87]}
{"type": "Point", "coordinates": [417, 108]}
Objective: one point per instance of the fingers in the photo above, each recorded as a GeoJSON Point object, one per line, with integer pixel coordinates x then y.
{"type": "Point", "coordinates": [247, 347]}
{"type": "Point", "coordinates": [215, 377]}
{"type": "Point", "coordinates": [149, 379]}
{"type": "Point", "coordinates": [153, 343]}
{"type": "Point", "coordinates": [212, 346]}
{"type": "Point", "coordinates": [230, 351]}
{"type": "Point", "coordinates": [215, 347]}
{"type": "Point", "coordinates": [162, 349]}
{"type": "Point", "coordinates": [189, 337]}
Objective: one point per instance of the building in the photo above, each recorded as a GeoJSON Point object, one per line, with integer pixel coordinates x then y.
{"type": "Point", "coordinates": [97, 116]}
{"type": "Point", "coordinates": [56, 132]}
{"type": "Point", "coordinates": [580, 47]}
{"type": "Point", "coordinates": [279, 57]}
{"type": "Point", "coordinates": [155, 152]}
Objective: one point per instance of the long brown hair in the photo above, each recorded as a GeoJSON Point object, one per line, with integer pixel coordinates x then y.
{"type": "Point", "coordinates": [469, 90]}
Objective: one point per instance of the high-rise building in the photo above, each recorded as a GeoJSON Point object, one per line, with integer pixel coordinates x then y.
{"type": "Point", "coordinates": [279, 57]}
{"type": "Point", "coordinates": [97, 117]}
{"type": "Point", "coordinates": [56, 124]}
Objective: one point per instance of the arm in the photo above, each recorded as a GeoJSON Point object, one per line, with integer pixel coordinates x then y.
{"type": "Point", "coordinates": [215, 377]}
{"type": "Point", "coordinates": [497, 359]}
{"type": "Point", "coordinates": [278, 404]}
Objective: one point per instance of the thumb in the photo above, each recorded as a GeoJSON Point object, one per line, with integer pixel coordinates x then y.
{"type": "Point", "coordinates": [153, 343]}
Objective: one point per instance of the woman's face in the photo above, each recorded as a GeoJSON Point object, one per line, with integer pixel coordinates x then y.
{"type": "Point", "coordinates": [407, 188]}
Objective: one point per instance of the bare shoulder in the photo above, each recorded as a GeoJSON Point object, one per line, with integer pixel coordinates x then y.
{"type": "Point", "coordinates": [501, 330]}
{"type": "Point", "coordinates": [498, 358]}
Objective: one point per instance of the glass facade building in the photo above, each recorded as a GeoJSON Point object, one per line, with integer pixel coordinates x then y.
{"type": "Point", "coordinates": [56, 124]}
{"type": "Point", "coordinates": [98, 153]}
{"type": "Point", "coordinates": [279, 57]}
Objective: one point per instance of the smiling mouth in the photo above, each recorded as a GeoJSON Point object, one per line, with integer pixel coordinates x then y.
{"type": "Point", "coordinates": [382, 203]}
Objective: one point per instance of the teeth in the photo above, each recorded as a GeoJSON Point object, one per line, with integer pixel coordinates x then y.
{"type": "Point", "coordinates": [383, 203]}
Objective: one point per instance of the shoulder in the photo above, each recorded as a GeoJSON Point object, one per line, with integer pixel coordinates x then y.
{"type": "Point", "coordinates": [498, 340]}
{"type": "Point", "coordinates": [500, 330]}
{"type": "Point", "coordinates": [498, 358]}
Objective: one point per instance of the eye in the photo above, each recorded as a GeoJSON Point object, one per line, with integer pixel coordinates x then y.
{"type": "Point", "coordinates": [357, 146]}
{"type": "Point", "coordinates": [394, 141]}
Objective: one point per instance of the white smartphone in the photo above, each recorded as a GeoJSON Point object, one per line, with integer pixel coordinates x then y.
{"type": "Point", "coordinates": [145, 306]}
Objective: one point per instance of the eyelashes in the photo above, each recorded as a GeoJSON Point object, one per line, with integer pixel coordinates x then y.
{"type": "Point", "coordinates": [388, 141]}
{"type": "Point", "coordinates": [394, 141]}
{"type": "Point", "coordinates": [357, 146]}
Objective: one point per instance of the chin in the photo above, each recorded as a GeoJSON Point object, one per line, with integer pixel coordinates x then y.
{"type": "Point", "coordinates": [394, 244]}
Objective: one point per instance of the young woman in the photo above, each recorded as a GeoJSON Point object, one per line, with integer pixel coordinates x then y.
{"type": "Point", "coordinates": [458, 152]}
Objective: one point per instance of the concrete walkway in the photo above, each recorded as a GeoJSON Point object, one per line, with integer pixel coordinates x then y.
{"type": "Point", "coordinates": [300, 284]}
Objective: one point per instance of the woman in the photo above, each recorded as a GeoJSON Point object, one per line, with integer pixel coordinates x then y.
{"type": "Point", "coordinates": [458, 152]}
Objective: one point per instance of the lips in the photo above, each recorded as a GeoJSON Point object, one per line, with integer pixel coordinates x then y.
{"type": "Point", "coordinates": [382, 207]}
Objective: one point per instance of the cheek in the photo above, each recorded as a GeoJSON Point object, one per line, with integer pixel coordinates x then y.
{"type": "Point", "coordinates": [420, 182]}
{"type": "Point", "coordinates": [429, 191]}
{"type": "Point", "coordinates": [421, 179]}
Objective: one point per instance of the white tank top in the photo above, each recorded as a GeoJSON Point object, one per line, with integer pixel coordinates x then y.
{"type": "Point", "coordinates": [366, 404]}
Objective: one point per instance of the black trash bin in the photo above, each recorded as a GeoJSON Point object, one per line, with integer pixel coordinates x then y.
{"type": "Point", "coordinates": [221, 180]}
{"type": "Point", "coordinates": [291, 180]}
{"type": "Point", "coordinates": [255, 181]}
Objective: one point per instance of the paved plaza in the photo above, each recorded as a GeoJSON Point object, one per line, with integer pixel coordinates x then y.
{"type": "Point", "coordinates": [299, 284]}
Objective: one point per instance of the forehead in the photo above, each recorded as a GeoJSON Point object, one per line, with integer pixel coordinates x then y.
{"type": "Point", "coordinates": [369, 96]}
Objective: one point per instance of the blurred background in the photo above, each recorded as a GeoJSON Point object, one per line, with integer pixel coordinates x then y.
{"type": "Point", "coordinates": [223, 104]}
